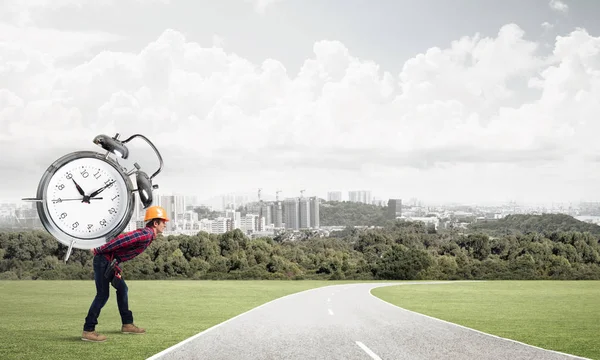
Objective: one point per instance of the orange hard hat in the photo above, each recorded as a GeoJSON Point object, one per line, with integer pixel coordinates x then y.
{"type": "Point", "coordinates": [156, 212]}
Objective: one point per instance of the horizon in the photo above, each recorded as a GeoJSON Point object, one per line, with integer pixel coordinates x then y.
{"type": "Point", "coordinates": [266, 196]}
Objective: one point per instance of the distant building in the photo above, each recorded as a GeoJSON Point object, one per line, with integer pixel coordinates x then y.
{"type": "Point", "coordinates": [174, 205]}
{"type": "Point", "coordinates": [291, 210]}
{"type": "Point", "coordinates": [304, 218]}
{"type": "Point", "coordinates": [315, 204]}
{"type": "Point", "coordinates": [334, 196]}
{"type": "Point", "coordinates": [394, 208]}
{"type": "Point", "coordinates": [361, 196]}
{"type": "Point", "coordinates": [277, 214]}
{"type": "Point", "coordinates": [301, 213]}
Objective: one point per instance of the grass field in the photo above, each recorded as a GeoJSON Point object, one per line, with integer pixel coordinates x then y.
{"type": "Point", "coordinates": [44, 319]}
{"type": "Point", "coordinates": [558, 315]}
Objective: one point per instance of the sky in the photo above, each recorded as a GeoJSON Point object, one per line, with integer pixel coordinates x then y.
{"type": "Point", "coordinates": [443, 101]}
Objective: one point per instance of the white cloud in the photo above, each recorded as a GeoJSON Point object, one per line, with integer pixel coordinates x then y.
{"type": "Point", "coordinates": [558, 5]}
{"type": "Point", "coordinates": [547, 26]}
{"type": "Point", "coordinates": [260, 6]}
{"type": "Point", "coordinates": [19, 27]}
{"type": "Point", "coordinates": [218, 41]}
{"type": "Point", "coordinates": [454, 119]}
{"type": "Point", "coordinates": [52, 43]}
{"type": "Point", "coordinates": [24, 12]}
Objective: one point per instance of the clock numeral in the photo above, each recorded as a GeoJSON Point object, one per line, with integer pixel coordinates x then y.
{"type": "Point", "coordinates": [63, 215]}
{"type": "Point", "coordinates": [116, 196]}
{"type": "Point", "coordinates": [56, 201]}
{"type": "Point", "coordinates": [84, 173]}
{"type": "Point", "coordinates": [112, 211]}
{"type": "Point", "coordinates": [60, 186]}
{"type": "Point", "coordinates": [69, 175]}
{"type": "Point", "coordinates": [103, 222]}
{"type": "Point", "coordinates": [97, 175]}
{"type": "Point", "coordinates": [109, 183]}
{"type": "Point", "coordinates": [90, 226]}
{"type": "Point", "coordinates": [75, 225]}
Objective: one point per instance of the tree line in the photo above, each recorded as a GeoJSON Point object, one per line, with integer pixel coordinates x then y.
{"type": "Point", "coordinates": [400, 250]}
{"type": "Point", "coordinates": [346, 213]}
{"type": "Point", "coordinates": [331, 213]}
{"type": "Point", "coordinates": [520, 223]}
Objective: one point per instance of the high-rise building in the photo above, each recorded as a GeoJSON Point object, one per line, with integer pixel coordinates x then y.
{"type": "Point", "coordinates": [179, 205]}
{"type": "Point", "coordinates": [138, 210]}
{"type": "Point", "coordinates": [191, 201]}
{"type": "Point", "coordinates": [264, 213]}
{"type": "Point", "coordinates": [228, 202]}
{"type": "Point", "coordinates": [168, 203]}
{"type": "Point", "coordinates": [253, 208]}
{"type": "Point", "coordinates": [304, 213]}
{"type": "Point", "coordinates": [314, 212]}
{"type": "Point", "coordinates": [334, 196]}
{"type": "Point", "coordinates": [250, 223]}
{"type": "Point", "coordinates": [277, 214]}
{"type": "Point", "coordinates": [267, 213]}
{"type": "Point", "coordinates": [291, 213]}
{"type": "Point", "coordinates": [361, 196]}
{"type": "Point", "coordinates": [394, 208]}
{"type": "Point", "coordinates": [174, 205]}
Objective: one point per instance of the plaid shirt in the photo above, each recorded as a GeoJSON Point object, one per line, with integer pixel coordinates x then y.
{"type": "Point", "coordinates": [128, 245]}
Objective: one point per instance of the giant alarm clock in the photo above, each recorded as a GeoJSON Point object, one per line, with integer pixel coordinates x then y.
{"type": "Point", "coordinates": [86, 198]}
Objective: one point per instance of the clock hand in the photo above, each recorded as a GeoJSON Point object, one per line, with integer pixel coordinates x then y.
{"type": "Point", "coordinates": [81, 192]}
{"type": "Point", "coordinates": [59, 200]}
{"type": "Point", "coordinates": [101, 189]}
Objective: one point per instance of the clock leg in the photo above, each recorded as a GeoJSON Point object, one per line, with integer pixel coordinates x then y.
{"type": "Point", "coordinates": [69, 251]}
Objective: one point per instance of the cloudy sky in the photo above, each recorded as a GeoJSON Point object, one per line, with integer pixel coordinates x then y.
{"type": "Point", "coordinates": [457, 100]}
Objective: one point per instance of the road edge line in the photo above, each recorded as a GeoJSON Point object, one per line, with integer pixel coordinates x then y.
{"type": "Point", "coordinates": [191, 338]}
{"type": "Point", "coordinates": [468, 328]}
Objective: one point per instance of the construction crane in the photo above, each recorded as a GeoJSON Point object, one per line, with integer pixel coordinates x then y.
{"type": "Point", "coordinates": [302, 193]}
{"type": "Point", "coordinates": [277, 195]}
{"type": "Point", "coordinates": [260, 211]}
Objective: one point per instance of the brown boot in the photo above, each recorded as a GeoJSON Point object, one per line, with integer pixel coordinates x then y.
{"type": "Point", "coordinates": [92, 336]}
{"type": "Point", "coordinates": [132, 329]}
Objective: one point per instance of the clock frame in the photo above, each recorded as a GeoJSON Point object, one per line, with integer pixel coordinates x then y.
{"type": "Point", "coordinates": [114, 146]}
{"type": "Point", "coordinates": [57, 230]}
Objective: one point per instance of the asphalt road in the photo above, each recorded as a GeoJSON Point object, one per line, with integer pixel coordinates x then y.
{"type": "Point", "coordinates": [345, 322]}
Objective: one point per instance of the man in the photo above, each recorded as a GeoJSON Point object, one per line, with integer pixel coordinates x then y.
{"type": "Point", "coordinates": [122, 248]}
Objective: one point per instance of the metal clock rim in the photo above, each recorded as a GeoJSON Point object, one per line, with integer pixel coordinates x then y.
{"type": "Point", "coordinates": [50, 225]}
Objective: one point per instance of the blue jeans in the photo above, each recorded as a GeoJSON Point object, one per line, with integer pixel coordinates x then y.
{"type": "Point", "coordinates": [102, 294]}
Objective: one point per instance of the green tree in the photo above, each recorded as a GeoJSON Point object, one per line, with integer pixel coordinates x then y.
{"type": "Point", "coordinates": [402, 263]}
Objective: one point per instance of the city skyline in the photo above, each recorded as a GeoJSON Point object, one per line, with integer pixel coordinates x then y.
{"type": "Point", "coordinates": [491, 104]}
{"type": "Point", "coordinates": [216, 200]}
{"type": "Point", "coordinates": [270, 218]}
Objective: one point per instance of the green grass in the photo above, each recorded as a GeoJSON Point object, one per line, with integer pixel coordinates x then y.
{"type": "Point", "coordinates": [44, 319]}
{"type": "Point", "coordinates": [557, 315]}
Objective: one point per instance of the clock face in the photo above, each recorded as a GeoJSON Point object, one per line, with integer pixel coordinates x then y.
{"type": "Point", "coordinates": [82, 216]}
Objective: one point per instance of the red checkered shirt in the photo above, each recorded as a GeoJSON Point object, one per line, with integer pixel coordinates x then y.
{"type": "Point", "coordinates": [128, 245]}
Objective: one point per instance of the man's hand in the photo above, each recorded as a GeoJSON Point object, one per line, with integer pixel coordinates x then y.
{"type": "Point", "coordinates": [92, 251]}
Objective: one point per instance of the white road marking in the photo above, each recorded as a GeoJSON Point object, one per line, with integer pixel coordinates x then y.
{"type": "Point", "coordinates": [368, 351]}
{"type": "Point", "coordinates": [330, 312]}
{"type": "Point", "coordinates": [192, 338]}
